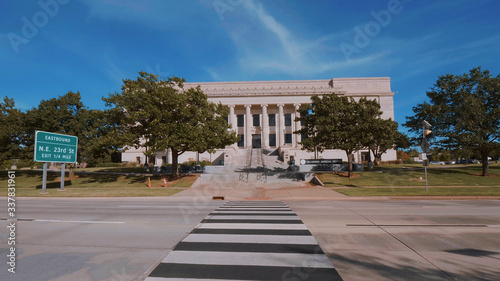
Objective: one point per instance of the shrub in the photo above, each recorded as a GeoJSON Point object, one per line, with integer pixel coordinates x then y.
{"type": "Point", "coordinates": [109, 165]}
{"type": "Point", "coordinates": [193, 163]}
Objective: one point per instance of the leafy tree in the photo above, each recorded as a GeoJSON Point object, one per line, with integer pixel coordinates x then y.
{"type": "Point", "coordinates": [309, 130]}
{"type": "Point", "coordinates": [159, 114]}
{"type": "Point", "coordinates": [68, 115]}
{"type": "Point", "coordinates": [413, 153]}
{"type": "Point", "coordinates": [384, 135]}
{"type": "Point", "coordinates": [11, 132]}
{"type": "Point", "coordinates": [445, 155]}
{"type": "Point", "coordinates": [58, 115]}
{"type": "Point", "coordinates": [338, 122]}
{"type": "Point", "coordinates": [464, 111]}
{"type": "Point", "coordinates": [403, 155]}
{"type": "Point", "coordinates": [98, 143]}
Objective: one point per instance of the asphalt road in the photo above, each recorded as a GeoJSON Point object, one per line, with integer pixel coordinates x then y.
{"type": "Point", "coordinates": [125, 239]}
{"type": "Point", "coordinates": [407, 240]}
{"type": "Point", "coordinates": [96, 239]}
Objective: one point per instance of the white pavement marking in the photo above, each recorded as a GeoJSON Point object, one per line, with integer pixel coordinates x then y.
{"type": "Point", "coordinates": [187, 279]}
{"type": "Point", "coordinates": [252, 259]}
{"type": "Point", "coordinates": [155, 207]}
{"type": "Point", "coordinates": [254, 212]}
{"type": "Point", "coordinates": [252, 226]}
{"type": "Point", "coordinates": [111, 222]}
{"type": "Point", "coordinates": [258, 239]}
{"type": "Point", "coordinates": [255, 217]}
{"type": "Point", "coordinates": [254, 209]}
{"type": "Point", "coordinates": [187, 261]}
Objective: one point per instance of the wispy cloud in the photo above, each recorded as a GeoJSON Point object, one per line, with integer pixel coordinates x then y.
{"type": "Point", "coordinates": [280, 50]}
{"type": "Point", "coordinates": [292, 48]}
{"type": "Point", "coordinates": [113, 71]}
{"type": "Point", "coordinates": [422, 56]}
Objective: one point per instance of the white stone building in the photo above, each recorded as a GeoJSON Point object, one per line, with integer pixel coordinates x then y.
{"type": "Point", "coordinates": [263, 114]}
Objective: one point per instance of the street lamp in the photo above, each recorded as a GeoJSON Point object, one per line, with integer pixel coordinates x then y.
{"type": "Point", "coordinates": [425, 147]}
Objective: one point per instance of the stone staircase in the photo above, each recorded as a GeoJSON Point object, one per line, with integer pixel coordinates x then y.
{"type": "Point", "coordinates": [252, 168]}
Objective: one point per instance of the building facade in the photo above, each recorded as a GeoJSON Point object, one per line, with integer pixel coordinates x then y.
{"type": "Point", "coordinates": [263, 114]}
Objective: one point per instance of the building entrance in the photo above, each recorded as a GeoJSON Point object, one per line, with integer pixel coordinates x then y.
{"type": "Point", "coordinates": [256, 141]}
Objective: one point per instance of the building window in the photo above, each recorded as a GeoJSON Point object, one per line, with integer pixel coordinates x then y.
{"type": "Point", "coordinates": [241, 142]}
{"type": "Point", "coordinates": [256, 120]}
{"type": "Point", "coordinates": [227, 119]}
{"type": "Point", "coordinates": [288, 138]}
{"type": "Point", "coordinates": [365, 156]}
{"type": "Point", "coordinates": [272, 140]}
{"type": "Point", "coordinates": [272, 120]}
{"type": "Point", "coordinates": [241, 120]}
{"type": "Point", "coordinates": [138, 159]}
{"type": "Point", "coordinates": [303, 137]}
{"type": "Point", "coordinates": [288, 119]}
{"type": "Point", "coordinates": [164, 159]}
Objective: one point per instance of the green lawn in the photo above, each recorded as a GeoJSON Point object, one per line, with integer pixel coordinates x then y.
{"type": "Point", "coordinates": [420, 191]}
{"type": "Point", "coordinates": [462, 176]}
{"type": "Point", "coordinates": [28, 183]}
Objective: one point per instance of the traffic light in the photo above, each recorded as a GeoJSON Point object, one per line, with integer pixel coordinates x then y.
{"type": "Point", "coordinates": [427, 132]}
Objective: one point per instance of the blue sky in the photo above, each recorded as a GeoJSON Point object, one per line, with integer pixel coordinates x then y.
{"type": "Point", "coordinates": [50, 47]}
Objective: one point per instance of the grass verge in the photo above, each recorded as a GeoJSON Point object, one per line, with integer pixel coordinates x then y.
{"type": "Point", "coordinates": [420, 191]}
{"type": "Point", "coordinates": [462, 176]}
{"type": "Point", "coordinates": [29, 183]}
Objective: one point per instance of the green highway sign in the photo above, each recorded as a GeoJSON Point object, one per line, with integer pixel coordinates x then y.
{"type": "Point", "coordinates": [52, 147]}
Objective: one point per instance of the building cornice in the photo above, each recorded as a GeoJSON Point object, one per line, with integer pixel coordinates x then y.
{"type": "Point", "coordinates": [371, 86]}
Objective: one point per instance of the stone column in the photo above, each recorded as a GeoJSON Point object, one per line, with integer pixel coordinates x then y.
{"type": "Point", "coordinates": [297, 125]}
{"type": "Point", "coordinates": [169, 156]}
{"type": "Point", "coordinates": [248, 124]}
{"type": "Point", "coordinates": [233, 122]}
{"type": "Point", "coordinates": [265, 127]}
{"type": "Point", "coordinates": [281, 126]}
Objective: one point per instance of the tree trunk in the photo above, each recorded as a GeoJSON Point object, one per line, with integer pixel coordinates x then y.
{"type": "Point", "coordinates": [349, 164]}
{"type": "Point", "coordinates": [151, 163]}
{"type": "Point", "coordinates": [486, 170]}
{"type": "Point", "coordinates": [72, 171]}
{"type": "Point", "coordinates": [375, 157]}
{"type": "Point", "coordinates": [175, 164]}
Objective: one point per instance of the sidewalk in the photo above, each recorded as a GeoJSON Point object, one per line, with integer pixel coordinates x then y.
{"type": "Point", "coordinates": [206, 192]}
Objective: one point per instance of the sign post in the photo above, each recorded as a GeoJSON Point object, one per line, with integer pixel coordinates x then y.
{"type": "Point", "coordinates": [44, 181]}
{"type": "Point", "coordinates": [52, 147]}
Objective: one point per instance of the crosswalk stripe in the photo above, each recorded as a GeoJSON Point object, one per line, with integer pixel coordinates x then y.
{"type": "Point", "coordinates": [245, 241]}
{"type": "Point", "coordinates": [253, 231]}
{"type": "Point", "coordinates": [260, 217]}
{"type": "Point", "coordinates": [280, 212]}
{"type": "Point", "coordinates": [260, 259]}
{"type": "Point", "coordinates": [249, 247]}
{"type": "Point", "coordinates": [235, 238]}
{"type": "Point", "coordinates": [252, 208]}
{"type": "Point", "coordinates": [254, 221]}
{"type": "Point", "coordinates": [244, 272]}
{"type": "Point", "coordinates": [251, 226]}
{"type": "Point", "coordinates": [252, 214]}
{"type": "Point", "coordinates": [186, 279]}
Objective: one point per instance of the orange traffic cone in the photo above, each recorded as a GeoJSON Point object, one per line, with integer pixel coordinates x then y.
{"type": "Point", "coordinates": [164, 182]}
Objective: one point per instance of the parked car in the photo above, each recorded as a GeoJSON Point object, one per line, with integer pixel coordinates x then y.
{"type": "Point", "coordinates": [436, 163]}
{"type": "Point", "coordinates": [468, 161]}
{"type": "Point", "coordinates": [451, 162]}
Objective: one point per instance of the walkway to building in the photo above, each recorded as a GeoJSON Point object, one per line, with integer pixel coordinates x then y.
{"type": "Point", "coordinates": [247, 241]}
{"type": "Point", "coordinates": [255, 174]}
